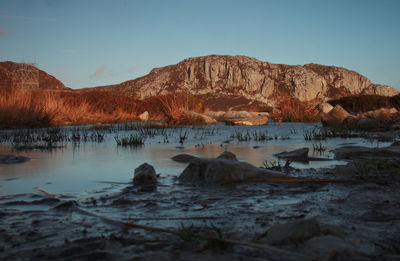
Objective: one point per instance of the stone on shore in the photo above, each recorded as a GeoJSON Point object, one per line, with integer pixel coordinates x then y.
{"type": "Point", "coordinates": [203, 117]}
{"type": "Point", "coordinates": [145, 174]}
{"type": "Point", "coordinates": [144, 116]}
{"type": "Point", "coordinates": [335, 117]}
{"type": "Point", "coordinates": [251, 121]}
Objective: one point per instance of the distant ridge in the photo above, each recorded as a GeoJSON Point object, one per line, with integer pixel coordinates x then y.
{"type": "Point", "coordinates": [25, 76]}
{"type": "Point", "coordinates": [240, 82]}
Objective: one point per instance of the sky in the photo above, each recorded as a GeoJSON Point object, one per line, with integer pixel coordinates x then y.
{"type": "Point", "coordinates": [86, 43]}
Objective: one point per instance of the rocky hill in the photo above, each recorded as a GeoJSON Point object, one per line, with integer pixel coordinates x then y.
{"type": "Point", "coordinates": [240, 82]}
{"type": "Point", "coordinates": [27, 77]}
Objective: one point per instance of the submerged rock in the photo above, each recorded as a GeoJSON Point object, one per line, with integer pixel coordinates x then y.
{"type": "Point", "coordinates": [293, 232]}
{"type": "Point", "coordinates": [183, 158]}
{"type": "Point", "coordinates": [12, 159]}
{"type": "Point", "coordinates": [145, 174]}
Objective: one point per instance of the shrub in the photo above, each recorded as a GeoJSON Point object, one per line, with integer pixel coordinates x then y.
{"type": "Point", "coordinates": [294, 110]}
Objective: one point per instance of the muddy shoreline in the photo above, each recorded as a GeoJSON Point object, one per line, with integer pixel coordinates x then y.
{"type": "Point", "coordinates": [357, 218]}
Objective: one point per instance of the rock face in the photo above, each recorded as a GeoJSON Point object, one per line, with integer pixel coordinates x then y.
{"type": "Point", "coordinates": [27, 77]}
{"type": "Point", "coordinates": [232, 82]}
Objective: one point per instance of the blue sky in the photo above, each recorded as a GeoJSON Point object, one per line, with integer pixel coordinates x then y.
{"type": "Point", "coordinates": [90, 43]}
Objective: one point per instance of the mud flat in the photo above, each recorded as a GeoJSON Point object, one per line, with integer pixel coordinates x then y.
{"type": "Point", "coordinates": [351, 216]}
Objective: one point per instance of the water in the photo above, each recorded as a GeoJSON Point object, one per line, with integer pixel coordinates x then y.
{"type": "Point", "coordinates": [86, 168]}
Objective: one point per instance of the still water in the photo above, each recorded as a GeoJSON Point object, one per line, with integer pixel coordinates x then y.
{"type": "Point", "coordinates": [92, 167]}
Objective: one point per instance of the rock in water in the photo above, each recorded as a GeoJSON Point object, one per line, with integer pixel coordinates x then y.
{"type": "Point", "coordinates": [184, 158]}
{"type": "Point", "coordinates": [293, 232]}
{"type": "Point", "coordinates": [145, 174]}
{"type": "Point", "coordinates": [224, 169]}
{"type": "Point", "coordinates": [299, 154]}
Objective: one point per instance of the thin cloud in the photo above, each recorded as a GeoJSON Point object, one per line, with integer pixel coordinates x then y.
{"type": "Point", "coordinates": [2, 31]}
{"type": "Point", "coordinates": [102, 72]}
{"type": "Point", "coordinates": [71, 51]}
{"type": "Point", "coordinates": [29, 18]}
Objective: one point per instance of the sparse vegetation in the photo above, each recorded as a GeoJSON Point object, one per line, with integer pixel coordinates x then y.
{"type": "Point", "coordinates": [319, 148]}
{"type": "Point", "coordinates": [133, 140]}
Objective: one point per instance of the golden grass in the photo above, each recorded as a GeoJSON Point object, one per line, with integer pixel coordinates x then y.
{"type": "Point", "coordinates": [49, 108]}
{"type": "Point", "coordinates": [172, 107]}
{"type": "Point", "coordinates": [293, 110]}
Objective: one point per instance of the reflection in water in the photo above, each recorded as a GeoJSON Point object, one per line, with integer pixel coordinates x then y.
{"type": "Point", "coordinates": [77, 169]}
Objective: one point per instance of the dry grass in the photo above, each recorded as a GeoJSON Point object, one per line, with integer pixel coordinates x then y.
{"type": "Point", "coordinates": [172, 107]}
{"type": "Point", "coordinates": [50, 108]}
{"type": "Point", "coordinates": [293, 110]}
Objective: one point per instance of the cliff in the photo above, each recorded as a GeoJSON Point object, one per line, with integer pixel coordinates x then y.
{"type": "Point", "coordinates": [27, 77]}
{"type": "Point", "coordinates": [234, 82]}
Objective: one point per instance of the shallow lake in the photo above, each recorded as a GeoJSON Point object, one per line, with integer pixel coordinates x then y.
{"type": "Point", "coordinates": [91, 167]}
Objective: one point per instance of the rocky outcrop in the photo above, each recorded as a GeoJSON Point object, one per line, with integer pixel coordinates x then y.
{"type": "Point", "coordinates": [27, 77]}
{"type": "Point", "coordinates": [236, 81]}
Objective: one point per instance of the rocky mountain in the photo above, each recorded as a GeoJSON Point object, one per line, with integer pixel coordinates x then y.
{"type": "Point", "coordinates": [28, 77]}
{"type": "Point", "coordinates": [240, 82]}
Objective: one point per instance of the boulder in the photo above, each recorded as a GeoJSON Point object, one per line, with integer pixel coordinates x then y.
{"type": "Point", "coordinates": [227, 155]}
{"type": "Point", "coordinates": [12, 159]}
{"type": "Point", "coordinates": [144, 116]}
{"type": "Point", "coordinates": [324, 108]}
{"type": "Point", "coordinates": [205, 118]}
{"type": "Point", "coordinates": [299, 154]}
{"type": "Point", "coordinates": [335, 117]}
{"type": "Point", "coordinates": [223, 170]}
{"type": "Point", "coordinates": [293, 232]}
{"type": "Point", "coordinates": [145, 174]}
